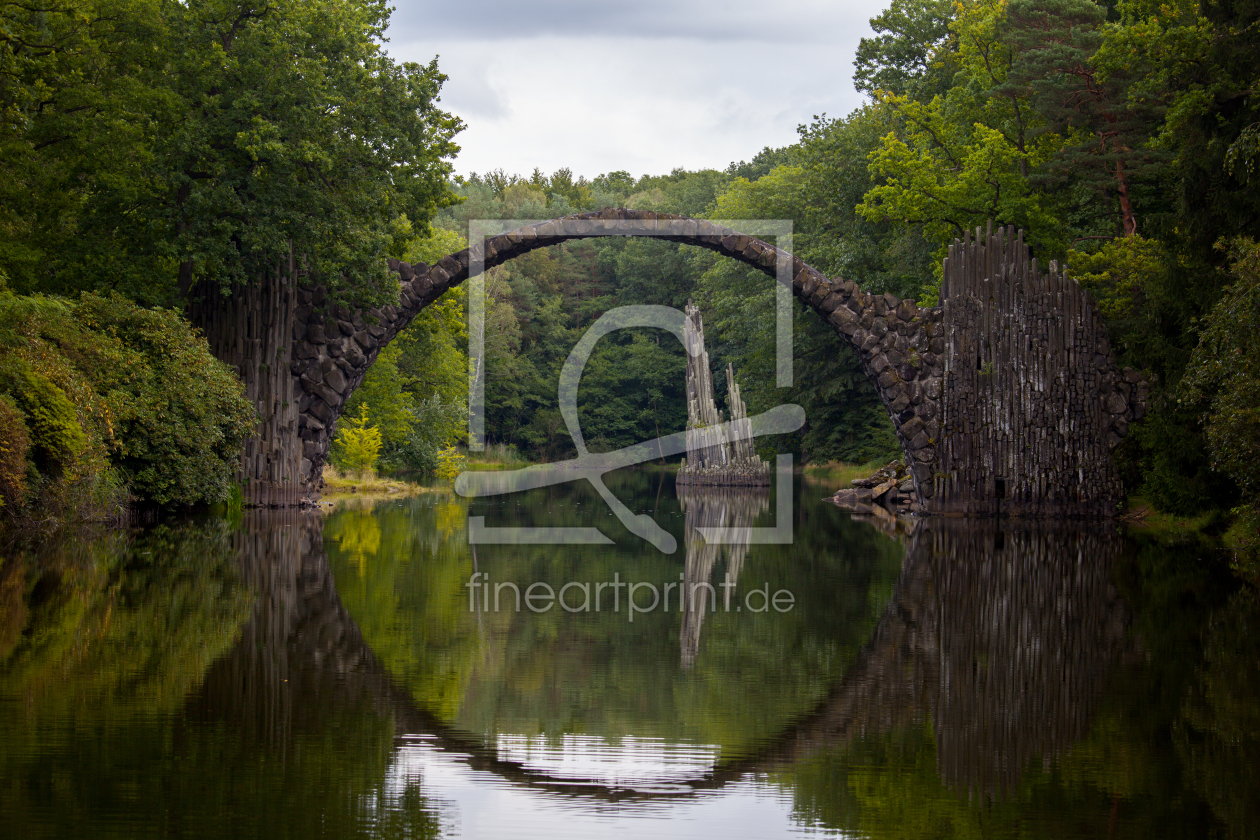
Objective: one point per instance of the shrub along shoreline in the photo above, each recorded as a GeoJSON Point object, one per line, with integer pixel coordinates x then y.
{"type": "Point", "coordinates": [105, 405]}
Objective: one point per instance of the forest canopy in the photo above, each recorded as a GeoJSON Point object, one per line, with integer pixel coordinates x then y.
{"type": "Point", "coordinates": [154, 147]}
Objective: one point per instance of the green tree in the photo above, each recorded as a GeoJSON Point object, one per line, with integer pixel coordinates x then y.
{"type": "Point", "coordinates": [1223, 378]}
{"type": "Point", "coordinates": [900, 58]}
{"type": "Point", "coordinates": [358, 445]}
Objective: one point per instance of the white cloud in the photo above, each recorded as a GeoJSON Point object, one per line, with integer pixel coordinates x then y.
{"type": "Point", "coordinates": [645, 87]}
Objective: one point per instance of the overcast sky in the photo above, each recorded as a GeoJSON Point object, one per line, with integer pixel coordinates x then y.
{"type": "Point", "coordinates": [646, 86]}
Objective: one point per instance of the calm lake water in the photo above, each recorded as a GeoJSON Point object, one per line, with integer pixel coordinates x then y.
{"type": "Point", "coordinates": [297, 675]}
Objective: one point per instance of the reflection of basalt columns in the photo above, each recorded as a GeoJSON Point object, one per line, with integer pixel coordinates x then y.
{"type": "Point", "coordinates": [1002, 638]}
{"type": "Point", "coordinates": [1029, 627]}
{"type": "Point", "coordinates": [299, 644]}
{"type": "Point", "coordinates": [712, 507]}
{"type": "Point", "coordinates": [712, 458]}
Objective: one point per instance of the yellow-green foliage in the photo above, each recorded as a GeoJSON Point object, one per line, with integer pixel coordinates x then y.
{"type": "Point", "coordinates": [14, 442]}
{"type": "Point", "coordinates": [1117, 272]}
{"type": "Point", "coordinates": [358, 444]}
{"type": "Point", "coordinates": [68, 474]}
{"type": "Point", "coordinates": [51, 420]}
{"type": "Point", "coordinates": [450, 464]}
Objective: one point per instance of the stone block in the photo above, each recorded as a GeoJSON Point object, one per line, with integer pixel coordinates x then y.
{"type": "Point", "coordinates": [906, 310]}
{"type": "Point", "coordinates": [842, 315]}
{"type": "Point", "coordinates": [320, 409]}
{"type": "Point", "coordinates": [326, 394]}
{"type": "Point", "coordinates": [877, 492]}
{"type": "Point", "coordinates": [336, 380]}
{"type": "Point", "coordinates": [820, 294]}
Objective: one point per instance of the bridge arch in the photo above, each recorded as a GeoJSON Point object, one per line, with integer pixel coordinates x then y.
{"type": "Point", "coordinates": [899, 344]}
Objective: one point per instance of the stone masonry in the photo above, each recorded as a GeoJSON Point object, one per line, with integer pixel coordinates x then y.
{"type": "Point", "coordinates": [976, 441]}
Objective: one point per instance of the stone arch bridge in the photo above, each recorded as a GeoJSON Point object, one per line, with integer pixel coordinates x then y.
{"type": "Point", "coordinates": [1005, 397]}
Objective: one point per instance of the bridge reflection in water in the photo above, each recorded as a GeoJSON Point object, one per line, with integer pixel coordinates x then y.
{"type": "Point", "coordinates": [1001, 635]}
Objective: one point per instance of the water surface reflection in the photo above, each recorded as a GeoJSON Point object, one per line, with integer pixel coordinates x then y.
{"type": "Point", "coordinates": [300, 677]}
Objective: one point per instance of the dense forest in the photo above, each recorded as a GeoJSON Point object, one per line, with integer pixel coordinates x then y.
{"type": "Point", "coordinates": [151, 147]}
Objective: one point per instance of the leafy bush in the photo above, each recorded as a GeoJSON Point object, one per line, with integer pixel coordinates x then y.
{"type": "Point", "coordinates": [14, 443]}
{"type": "Point", "coordinates": [51, 419]}
{"type": "Point", "coordinates": [112, 396]}
{"type": "Point", "coordinates": [67, 474]}
{"type": "Point", "coordinates": [181, 414]}
{"type": "Point", "coordinates": [433, 425]}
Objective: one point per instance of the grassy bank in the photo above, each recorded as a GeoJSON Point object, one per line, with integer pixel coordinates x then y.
{"type": "Point", "coordinates": [496, 456]}
{"type": "Point", "coordinates": [1142, 516]}
{"type": "Point", "coordinates": [835, 475]}
{"type": "Point", "coordinates": [368, 487]}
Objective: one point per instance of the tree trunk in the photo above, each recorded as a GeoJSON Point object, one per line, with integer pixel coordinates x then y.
{"type": "Point", "coordinates": [1126, 205]}
{"type": "Point", "coordinates": [252, 330]}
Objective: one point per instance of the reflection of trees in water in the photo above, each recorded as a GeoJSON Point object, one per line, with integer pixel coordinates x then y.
{"type": "Point", "coordinates": [311, 711]}
{"type": "Point", "coordinates": [1218, 736]}
{"type": "Point", "coordinates": [114, 620]}
{"type": "Point", "coordinates": [719, 508]}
